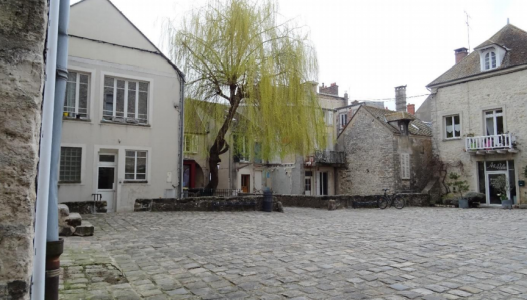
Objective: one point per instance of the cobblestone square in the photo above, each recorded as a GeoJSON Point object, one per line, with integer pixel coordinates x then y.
{"type": "Point", "coordinates": [413, 253]}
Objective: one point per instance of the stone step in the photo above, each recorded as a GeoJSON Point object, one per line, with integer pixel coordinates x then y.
{"type": "Point", "coordinates": [64, 210]}
{"type": "Point", "coordinates": [85, 229]}
{"type": "Point", "coordinates": [74, 219]}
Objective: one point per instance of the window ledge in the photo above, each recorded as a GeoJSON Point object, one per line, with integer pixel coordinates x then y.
{"type": "Point", "coordinates": [136, 181]}
{"type": "Point", "coordinates": [452, 139]}
{"type": "Point", "coordinates": [124, 123]}
{"type": "Point", "coordinates": [75, 119]}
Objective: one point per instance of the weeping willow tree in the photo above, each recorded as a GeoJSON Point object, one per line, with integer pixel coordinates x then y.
{"type": "Point", "coordinates": [251, 76]}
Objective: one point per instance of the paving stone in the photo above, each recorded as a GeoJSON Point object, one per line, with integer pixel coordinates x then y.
{"type": "Point", "coordinates": [304, 253]}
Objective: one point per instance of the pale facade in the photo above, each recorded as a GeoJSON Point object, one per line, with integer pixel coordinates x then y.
{"type": "Point", "coordinates": [479, 116]}
{"type": "Point", "coordinates": [120, 137]}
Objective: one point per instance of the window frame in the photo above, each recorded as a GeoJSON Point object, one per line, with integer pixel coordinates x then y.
{"type": "Point", "coordinates": [77, 95]}
{"type": "Point", "coordinates": [80, 165]}
{"type": "Point", "coordinates": [328, 115]}
{"type": "Point", "coordinates": [494, 117]}
{"type": "Point", "coordinates": [135, 173]}
{"type": "Point", "coordinates": [191, 147]}
{"type": "Point", "coordinates": [343, 117]}
{"type": "Point", "coordinates": [454, 137]}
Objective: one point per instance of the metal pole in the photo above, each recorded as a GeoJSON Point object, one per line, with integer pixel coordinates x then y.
{"type": "Point", "coordinates": [55, 246]}
{"type": "Point", "coordinates": [181, 132]}
{"type": "Point", "coordinates": [46, 133]}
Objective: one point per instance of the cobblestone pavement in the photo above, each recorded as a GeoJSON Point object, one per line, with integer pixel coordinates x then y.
{"type": "Point", "coordinates": [414, 253]}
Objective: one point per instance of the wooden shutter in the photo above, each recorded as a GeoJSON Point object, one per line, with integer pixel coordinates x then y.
{"type": "Point", "coordinates": [405, 166]}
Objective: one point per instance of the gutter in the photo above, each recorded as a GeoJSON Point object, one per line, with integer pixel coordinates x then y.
{"type": "Point", "coordinates": [181, 133]}
{"type": "Point", "coordinates": [46, 134]}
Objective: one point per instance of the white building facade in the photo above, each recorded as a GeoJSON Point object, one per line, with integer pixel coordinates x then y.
{"type": "Point", "coordinates": [121, 129]}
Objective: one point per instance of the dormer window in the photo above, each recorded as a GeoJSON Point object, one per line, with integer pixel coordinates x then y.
{"type": "Point", "coordinates": [491, 56]}
{"type": "Point", "coordinates": [490, 60]}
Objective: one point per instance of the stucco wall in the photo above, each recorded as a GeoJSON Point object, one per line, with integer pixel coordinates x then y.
{"type": "Point", "coordinates": [160, 138]}
{"type": "Point", "coordinates": [469, 100]}
{"type": "Point", "coordinates": [22, 35]}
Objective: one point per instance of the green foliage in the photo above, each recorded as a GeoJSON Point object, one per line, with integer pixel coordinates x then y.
{"type": "Point", "coordinates": [249, 76]}
{"type": "Point", "coordinates": [501, 185]}
{"type": "Point", "coordinates": [458, 186]}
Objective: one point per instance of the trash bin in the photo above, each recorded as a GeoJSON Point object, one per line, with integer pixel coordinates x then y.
{"type": "Point", "coordinates": [267, 201]}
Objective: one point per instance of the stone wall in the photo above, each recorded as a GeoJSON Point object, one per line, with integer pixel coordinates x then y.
{"type": "Point", "coordinates": [22, 35]}
{"type": "Point", "coordinates": [86, 207]}
{"type": "Point", "coordinates": [369, 153]}
{"type": "Point", "coordinates": [470, 100]}
{"type": "Point", "coordinates": [247, 203]}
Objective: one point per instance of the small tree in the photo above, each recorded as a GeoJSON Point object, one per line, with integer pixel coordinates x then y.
{"type": "Point", "coordinates": [501, 185]}
{"type": "Point", "coordinates": [458, 185]}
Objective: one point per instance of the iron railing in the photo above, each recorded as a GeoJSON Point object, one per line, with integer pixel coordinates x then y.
{"type": "Point", "coordinates": [330, 157]}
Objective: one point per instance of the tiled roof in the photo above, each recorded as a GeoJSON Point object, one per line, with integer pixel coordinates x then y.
{"type": "Point", "coordinates": [416, 126]}
{"type": "Point", "coordinates": [510, 37]}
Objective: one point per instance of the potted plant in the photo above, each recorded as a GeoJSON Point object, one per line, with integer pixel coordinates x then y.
{"type": "Point", "coordinates": [459, 186]}
{"type": "Point", "coordinates": [503, 187]}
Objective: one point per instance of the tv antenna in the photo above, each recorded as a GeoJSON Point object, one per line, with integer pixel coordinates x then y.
{"type": "Point", "coordinates": [468, 30]}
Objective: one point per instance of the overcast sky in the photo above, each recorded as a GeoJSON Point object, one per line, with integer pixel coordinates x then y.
{"type": "Point", "coordinates": [369, 47]}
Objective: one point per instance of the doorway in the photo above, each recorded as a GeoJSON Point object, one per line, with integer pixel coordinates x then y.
{"type": "Point", "coordinates": [106, 180]}
{"type": "Point", "coordinates": [493, 194]}
{"type": "Point", "coordinates": [246, 183]}
{"type": "Point", "coordinates": [308, 183]}
{"type": "Point", "coordinates": [322, 183]}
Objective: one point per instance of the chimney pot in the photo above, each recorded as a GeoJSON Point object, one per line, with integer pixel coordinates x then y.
{"type": "Point", "coordinates": [460, 53]}
{"type": "Point", "coordinates": [333, 89]}
{"type": "Point", "coordinates": [410, 108]}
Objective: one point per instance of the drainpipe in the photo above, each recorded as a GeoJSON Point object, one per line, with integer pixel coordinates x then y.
{"type": "Point", "coordinates": [181, 131]}
{"type": "Point", "coordinates": [46, 133]}
{"type": "Point", "coordinates": [54, 244]}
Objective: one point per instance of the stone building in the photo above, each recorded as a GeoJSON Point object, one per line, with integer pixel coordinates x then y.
{"type": "Point", "coordinates": [22, 35]}
{"type": "Point", "coordinates": [384, 150]}
{"type": "Point", "coordinates": [121, 129]}
{"type": "Point", "coordinates": [479, 115]}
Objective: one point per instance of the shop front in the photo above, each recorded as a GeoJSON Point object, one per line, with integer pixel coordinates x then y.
{"type": "Point", "coordinates": [490, 176]}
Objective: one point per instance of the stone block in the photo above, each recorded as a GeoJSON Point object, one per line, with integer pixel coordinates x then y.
{"type": "Point", "coordinates": [74, 219]}
{"type": "Point", "coordinates": [64, 210]}
{"type": "Point", "coordinates": [85, 229]}
{"type": "Point", "coordinates": [66, 230]}
{"type": "Point", "coordinates": [332, 205]}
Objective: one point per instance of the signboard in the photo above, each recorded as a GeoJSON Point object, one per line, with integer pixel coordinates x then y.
{"type": "Point", "coordinates": [496, 165]}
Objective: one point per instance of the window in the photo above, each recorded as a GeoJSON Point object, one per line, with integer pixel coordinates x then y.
{"type": "Point", "coordinates": [135, 168]}
{"type": "Point", "coordinates": [307, 184]}
{"type": "Point", "coordinates": [494, 122]}
{"type": "Point", "coordinates": [405, 166]}
{"type": "Point", "coordinates": [125, 101]}
{"type": "Point", "coordinates": [191, 143]}
{"type": "Point", "coordinates": [76, 98]}
{"type": "Point", "coordinates": [70, 164]}
{"type": "Point", "coordinates": [490, 60]}
{"type": "Point", "coordinates": [343, 120]}
{"type": "Point", "coordinates": [452, 127]}
{"type": "Point", "coordinates": [328, 115]}
{"type": "Point", "coordinates": [241, 149]}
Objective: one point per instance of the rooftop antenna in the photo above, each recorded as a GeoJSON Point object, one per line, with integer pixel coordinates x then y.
{"type": "Point", "coordinates": [507, 21]}
{"type": "Point", "coordinates": [468, 29]}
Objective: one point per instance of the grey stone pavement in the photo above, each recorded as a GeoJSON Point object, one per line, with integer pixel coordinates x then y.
{"type": "Point", "coordinates": [413, 253]}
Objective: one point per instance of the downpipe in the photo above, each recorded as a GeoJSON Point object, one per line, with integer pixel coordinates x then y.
{"type": "Point", "coordinates": [181, 131]}
{"type": "Point", "coordinates": [46, 134]}
{"type": "Point", "coordinates": [55, 246]}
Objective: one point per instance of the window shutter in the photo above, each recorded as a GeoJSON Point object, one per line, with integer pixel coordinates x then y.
{"type": "Point", "coordinates": [405, 166]}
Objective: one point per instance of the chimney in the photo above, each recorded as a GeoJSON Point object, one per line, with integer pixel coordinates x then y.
{"type": "Point", "coordinates": [333, 89]}
{"type": "Point", "coordinates": [400, 98]}
{"type": "Point", "coordinates": [460, 54]}
{"type": "Point", "coordinates": [410, 108]}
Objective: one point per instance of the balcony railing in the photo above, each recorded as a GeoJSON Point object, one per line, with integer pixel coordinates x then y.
{"type": "Point", "coordinates": [330, 157]}
{"type": "Point", "coordinates": [500, 143]}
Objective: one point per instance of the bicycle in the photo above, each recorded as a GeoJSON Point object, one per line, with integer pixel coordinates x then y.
{"type": "Point", "coordinates": [394, 200]}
